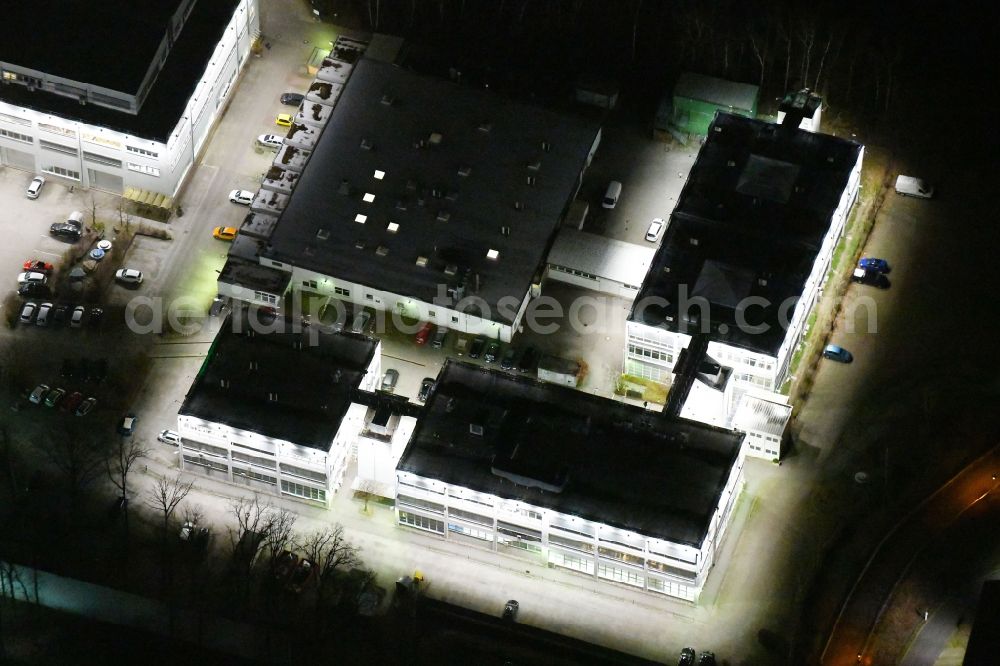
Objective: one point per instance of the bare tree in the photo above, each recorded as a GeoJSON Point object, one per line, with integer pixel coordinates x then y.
{"type": "Point", "coordinates": [367, 489]}
{"type": "Point", "coordinates": [278, 532]}
{"type": "Point", "coordinates": [251, 518]}
{"type": "Point", "coordinates": [166, 495]}
{"type": "Point", "coordinates": [119, 464]}
{"type": "Point", "coordinates": [333, 555]}
{"type": "Point", "coordinates": [79, 456]}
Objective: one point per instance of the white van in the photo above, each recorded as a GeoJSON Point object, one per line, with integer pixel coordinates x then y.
{"type": "Point", "coordinates": [914, 187]}
{"type": "Point", "coordinates": [612, 194]}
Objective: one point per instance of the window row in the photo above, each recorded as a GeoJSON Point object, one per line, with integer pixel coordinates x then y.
{"type": "Point", "coordinates": [421, 522]}
{"type": "Point", "coordinates": [16, 136]}
{"type": "Point", "coordinates": [299, 490]}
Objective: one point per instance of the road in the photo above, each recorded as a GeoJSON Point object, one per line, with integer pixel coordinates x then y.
{"type": "Point", "coordinates": [852, 634]}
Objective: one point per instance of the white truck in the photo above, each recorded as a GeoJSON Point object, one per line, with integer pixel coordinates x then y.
{"type": "Point", "coordinates": [914, 187]}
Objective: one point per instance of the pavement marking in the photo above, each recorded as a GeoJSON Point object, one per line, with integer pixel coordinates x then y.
{"type": "Point", "coordinates": [404, 360]}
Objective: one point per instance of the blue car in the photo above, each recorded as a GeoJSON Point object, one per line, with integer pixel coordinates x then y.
{"type": "Point", "coordinates": [873, 264]}
{"type": "Point", "coordinates": [836, 353]}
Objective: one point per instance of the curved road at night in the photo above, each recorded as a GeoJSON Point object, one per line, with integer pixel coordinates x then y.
{"type": "Point", "coordinates": [852, 631]}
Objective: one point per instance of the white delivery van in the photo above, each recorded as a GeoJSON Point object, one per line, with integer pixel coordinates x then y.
{"type": "Point", "coordinates": [612, 194]}
{"type": "Point", "coordinates": [914, 187]}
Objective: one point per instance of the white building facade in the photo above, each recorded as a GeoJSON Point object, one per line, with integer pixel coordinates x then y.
{"type": "Point", "coordinates": [556, 539]}
{"type": "Point", "coordinates": [98, 157]}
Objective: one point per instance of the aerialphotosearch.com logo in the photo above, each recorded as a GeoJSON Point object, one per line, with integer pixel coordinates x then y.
{"type": "Point", "coordinates": [587, 314]}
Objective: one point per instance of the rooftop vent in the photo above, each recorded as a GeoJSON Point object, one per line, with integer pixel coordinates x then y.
{"type": "Point", "coordinates": [400, 204]}
{"type": "Point", "coordinates": [323, 234]}
{"type": "Point", "coordinates": [224, 383]}
{"type": "Point", "coordinates": [464, 171]}
{"type": "Point", "coordinates": [718, 129]}
{"type": "Point", "coordinates": [388, 100]}
{"type": "Point", "coordinates": [546, 146]}
{"type": "Point", "coordinates": [485, 127]}
{"type": "Point", "coordinates": [437, 192]}
{"type": "Point", "coordinates": [411, 185]}
{"type": "Point", "coordinates": [366, 144]}
{"type": "Point", "coordinates": [272, 397]}
{"type": "Point", "coordinates": [435, 138]}
{"type": "Point", "coordinates": [534, 165]}
{"type": "Point", "coordinates": [762, 282]}
{"type": "Point", "coordinates": [345, 187]}
{"type": "Point", "coordinates": [422, 262]}
{"type": "Point", "coordinates": [382, 250]}
{"type": "Point", "coordinates": [450, 269]}
{"type": "Point", "coordinates": [693, 241]}
{"type": "Point", "coordinates": [452, 195]}
{"type": "Point", "coordinates": [254, 365]}
{"type": "Point", "coordinates": [360, 245]}
{"type": "Point", "coordinates": [505, 230]}
{"type": "Point", "coordinates": [518, 205]}
{"type": "Point", "coordinates": [731, 163]}
{"type": "Point", "coordinates": [530, 180]}
{"type": "Point", "coordinates": [443, 216]}
{"type": "Point", "coordinates": [476, 429]}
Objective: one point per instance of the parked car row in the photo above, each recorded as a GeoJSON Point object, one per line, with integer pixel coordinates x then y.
{"type": "Point", "coordinates": [688, 655]}
{"type": "Point", "coordinates": [294, 571]}
{"type": "Point", "coordinates": [55, 315]}
{"type": "Point", "coordinates": [57, 397]}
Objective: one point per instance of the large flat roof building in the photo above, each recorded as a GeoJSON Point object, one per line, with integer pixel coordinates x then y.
{"type": "Point", "coordinates": [564, 471]}
{"type": "Point", "coordinates": [271, 409]}
{"type": "Point", "coordinates": [113, 94]}
{"type": "Point", "coordinates": [429, 198]}
{"type": "Point", "coordinates": [749, 244]}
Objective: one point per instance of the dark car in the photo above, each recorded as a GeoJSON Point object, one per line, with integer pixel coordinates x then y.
{"type": "Point", "coordinates": [870, 278]}
{"type": "Point", "coordinates": [529, 360]}
{"type": "Point", "coordinates": [34, 290]}
{"type": "Point", "coordinates": [59, 315]}
{"type": "Point", "coordinates": [96, 315]}
{"type": "Point", "coordinates": [837, 353]}
{"type": "Point", "coordinates": [71, 402]}
{"type": "Point", "coordinates": [492, 351]}
{"type": "Point", "coordinates": [302, 575]}
{"type": "Point", "coordinates": [284, 564]}
{"type": "Point", "coordinates": [425, 388]}
{"type": "Point", "coordinates": [510, 610]}
{"type": "Point", "coordinates": [292, 99]}
{"type": "Point", "coordinates": [874, 264]}
{"type": "Point", "coordinates": [687, 657]}
{"type": "Point", "coordinates": [69, 368]}
{"type": "Point", "coordinates": [126, 427]}
{"type": "Point", "coordinates": [509, 359]}
{"type": "Point", "coordinates": [706, 659]}
{"type": "Point", "coordinates": [477, 347]}
{"type": "Point", "coordinates": [65, 231]}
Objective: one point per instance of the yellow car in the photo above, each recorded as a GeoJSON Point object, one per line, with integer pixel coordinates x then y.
{"type": "Point", "coordinates": [283, 120]}
{"type": "Point", "coordinates": [224, 233]}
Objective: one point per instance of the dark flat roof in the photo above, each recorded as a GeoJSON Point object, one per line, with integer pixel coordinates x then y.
{"type": "Point", "coordinates": [175, 83]}
{"type": "Point", "coordinates": [110, 43]}
{"type": "Point", "coordinates": [615, 463]}
{"type": "Point", "coordinates": [423, 183]}
{"type": "Point", "coordinates": [311, 376]}
{"type": "Point", "coordinates": [750, 221]}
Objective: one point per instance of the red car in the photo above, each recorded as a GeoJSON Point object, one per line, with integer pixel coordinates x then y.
{"type": "Point", "coordinates": [424, 333]}
{"type": "Point", "coordinates": [71, 402]}
{"type": "Point", "coordinates": [37, 266]}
